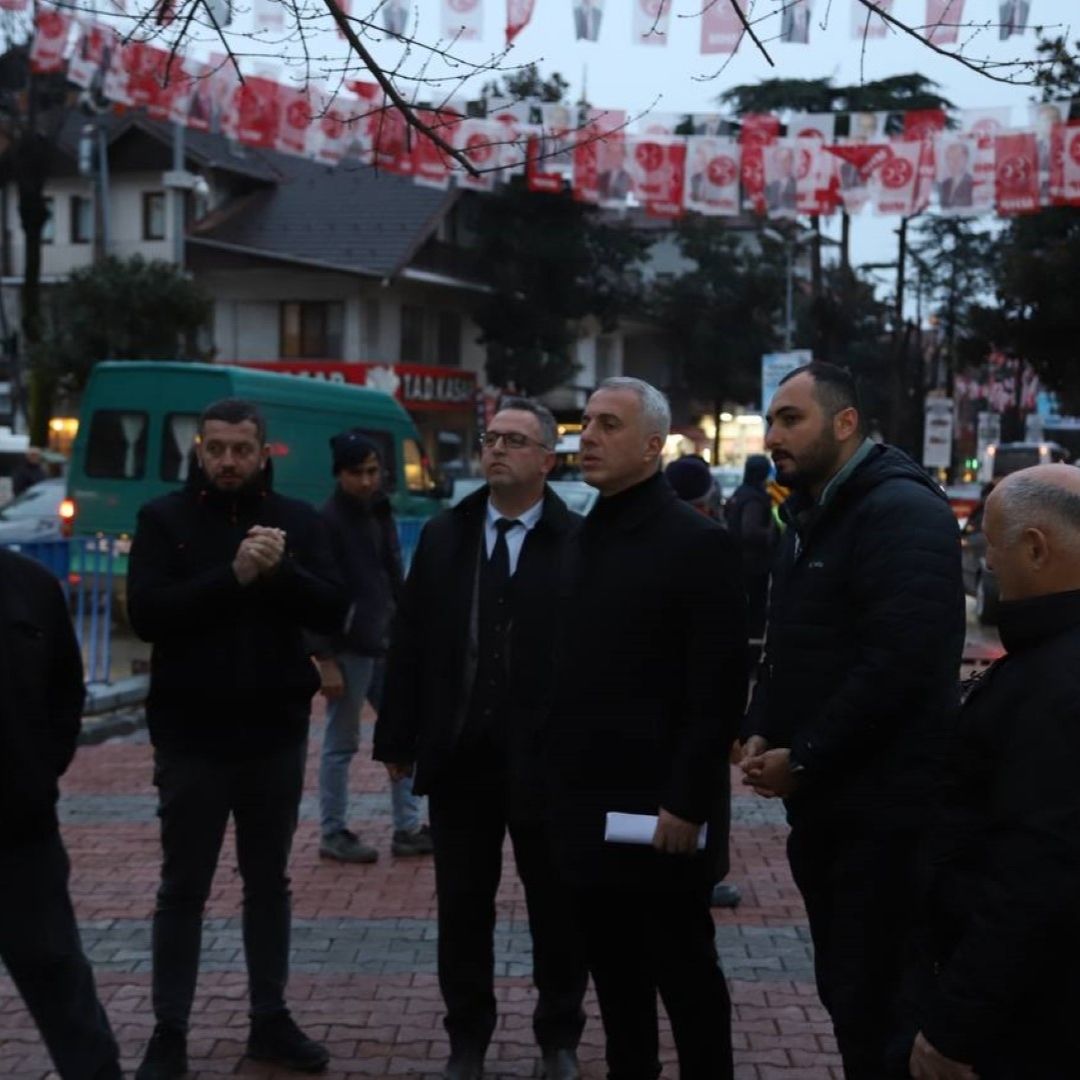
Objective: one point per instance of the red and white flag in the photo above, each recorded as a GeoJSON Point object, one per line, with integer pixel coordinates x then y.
{"type": "Point", "coordinates": [943, 21]}
{"type": "Point", "coordinates": [462, 20]}
{"type": "Point", "coordinates": [865, 23]}
{"type": "Point", "coordinates": [333, 125]}
{"type": "Point", "coordinates": [294, 120]}
{"type": "Point", "coordinates": [517, 130]}
{"type": "Point", "coordinates": [712, 175]}
{"type": "Point", "coordinates": [657, 168]}
{"type": "Point", "coordinates": [817, 181]}
{"type": "Point", "coordinates": [897, 180]}
{"type": "Point", "coordinates": [49, 50]}
{"type": "Point", "coordinates": [212, 93]}
{"type": "Point", "coordinates": [652, 19]}
{"type": "Point", "coordinates": [856, 162]}
{"type": "Point", "coordinates": [600, 172]}
{"type": "Point", "coordinates": [253, 113]}
{"type": "Point", "coordinates": [431, 164]}
{"type": "Point", "coordinates": [721, 28]}
{"type": "Point", "coordinates": [364, 111]}
{"type": "Point", "coordinates": [140, 76]}
{"type": "Point", "coordinates": [481, 142]}
{"type": "Point", "coordinates": [14, 5]}
{"type": "Point", "coordinates": [518, 14]}
{"type": "Point", "coordinates": [1016, 184]}
{"type": "Point", "coordinates": [391, 141]}
{"type": "Point", "coordinates": [1065, 165]}
{"type": "Point", "coordinates": [757, 132]}
{"type": "Point", "coordinates": [93, 47]}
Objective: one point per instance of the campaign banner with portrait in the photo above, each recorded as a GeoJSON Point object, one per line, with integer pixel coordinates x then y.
{"type": "Point", "coordinates": [518, 14]}
{"type": "Point", "coordinates": [721, 29]}
{"type": "Point", "coordinates": [651, 22]}
{"type": "Point", "coordinates": [588, 15]}
{"type": "Point", "coordinates": [865, 23]}
{"type": "Point", "coordinates": [712, 175]}
{"type": "Point", "coordinates": [963, 188]}
{"type": "Point", "coordinates": [795, 22]}
{"type": "Point", "coordinates": [943, 21]}
{"type": "Point", "coordinates": [48, 53]}
{"type": "Point", "coordinates": [462, 20]}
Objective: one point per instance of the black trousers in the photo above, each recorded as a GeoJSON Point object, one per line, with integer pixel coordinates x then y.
{"type": "Point", "coordinates": [644, 943]}
{"type": "Point", "coordinates": [861, 895]}
{"type": "Point", "coordinates": [197, 795]}
{"type": "Point", "coordinates": [40, 946]}
{"type": "Point", "coordinates": [469, 817]}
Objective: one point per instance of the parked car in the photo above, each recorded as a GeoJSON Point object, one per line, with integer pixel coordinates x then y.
{"type": "Point", "coordinates": [33, 515]}
{"type": "Point", "coordinates": [979, 580]}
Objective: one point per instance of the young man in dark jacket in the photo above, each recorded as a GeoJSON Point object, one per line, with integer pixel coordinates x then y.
{"type": "Point", "coordinates": [224, 578]}
{"type": "Point", "coordinates": [1005, 885]}
{"type": "Point", "coordinates": [650, 687]}
{"type": "Point", "coordinates": [365, 543]}
{"type": "Point", "coordinates": [467, 692]}
{"type": "Point", "coordinates": [848, 719]}
{"type": "Point", "coordinates": [41, 699]}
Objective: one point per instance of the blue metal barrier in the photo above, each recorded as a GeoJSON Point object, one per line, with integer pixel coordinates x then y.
{"type": "Point", "coordinates": [85, 568]}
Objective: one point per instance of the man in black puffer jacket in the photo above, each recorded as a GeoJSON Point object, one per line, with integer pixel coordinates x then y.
{"type": "Point", "coordinates": [1005, 992]}
{"type": "Point", "coordinates": [224, 578]}
{"type": "Point", "coordinates": [848, 722]}
{"type": "Point", "coordinates": [41, 700]}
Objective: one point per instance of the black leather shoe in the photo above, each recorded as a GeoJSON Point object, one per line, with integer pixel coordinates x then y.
{"type": "Point", "coordinates": [166, 1056]}
{"type": "Point", "coordinates": [277, 1040]}
{"type": "Point", "coordinates": [464, 1065]}
{"type": "Point", "coordinates": [561, 1065]}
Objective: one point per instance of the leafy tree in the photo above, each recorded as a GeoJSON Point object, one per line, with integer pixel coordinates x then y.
{"type": "Point", "coordinates": [125, 309]}
{"type": "Point", "coordinates": [552, 262]}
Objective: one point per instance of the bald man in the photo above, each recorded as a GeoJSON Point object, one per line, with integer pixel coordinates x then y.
{"type": "Point", "coordinates": [1005, 913]}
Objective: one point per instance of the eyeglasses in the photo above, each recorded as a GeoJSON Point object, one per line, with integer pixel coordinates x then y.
{"type": "Point", "coordinates": [512, 440]}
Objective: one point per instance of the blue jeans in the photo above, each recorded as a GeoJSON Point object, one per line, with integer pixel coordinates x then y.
{"type": "Point", "coordinates": [363, 680]}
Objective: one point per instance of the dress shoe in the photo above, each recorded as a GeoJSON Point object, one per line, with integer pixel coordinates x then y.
{"type": "Point", "coordinates": [277, 1040]}
{"type": "Point", "coordinates": [561, 1064]}
{"type": "Point", "coordinates": [464, 1065]}
{"type": "Point", "coordinates": [725, 895]}
{"type": "Point", "coordinates": [166, 1055]}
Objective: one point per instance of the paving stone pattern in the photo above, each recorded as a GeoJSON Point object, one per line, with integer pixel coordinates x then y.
{"type": "Point", "coordinates": [364, 944]}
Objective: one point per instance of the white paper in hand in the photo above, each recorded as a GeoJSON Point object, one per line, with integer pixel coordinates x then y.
{"type": "Point", "coordinates": [638, 829]}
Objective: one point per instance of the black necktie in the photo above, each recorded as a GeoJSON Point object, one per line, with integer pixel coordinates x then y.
{"type": "Point", "coordinates": [499, 560]}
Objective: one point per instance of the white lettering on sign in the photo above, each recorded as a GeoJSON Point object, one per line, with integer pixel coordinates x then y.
{"type": "Point", "coordinates": [436, 388]}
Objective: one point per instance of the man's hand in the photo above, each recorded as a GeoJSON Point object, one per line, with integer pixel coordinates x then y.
{"type": "Point", "coordinates": [331, 679]}
{"type": "Point", "coordinates": [769, 773]}
{"type": "Point", "coordinates": [259, 553]}
{"type": "Point", "coordinates": [399, 770]}
{"type": "Point", "coordinates": [926, 1063]}
{"type": "Point", "coordinates": [755, 745]}
{"type": "Point", "coordinates": [674, 836]}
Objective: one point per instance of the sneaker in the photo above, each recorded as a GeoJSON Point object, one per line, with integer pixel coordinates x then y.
{"type": "Point", "coordinates": [166, 1055]}
{"type": "Point", "coordinates": [346, 846]}
{"type": "Point", "coordinates": [277, 1040]}
{"type": "Point", "coordinates": [412, 843]}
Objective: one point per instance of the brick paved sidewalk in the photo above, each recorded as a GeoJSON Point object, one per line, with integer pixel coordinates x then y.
{"type": "Point", "coordinates": [364, 944]}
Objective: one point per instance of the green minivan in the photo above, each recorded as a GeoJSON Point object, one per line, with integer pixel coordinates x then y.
{"type": "Point", "coordinates": [138, 421]}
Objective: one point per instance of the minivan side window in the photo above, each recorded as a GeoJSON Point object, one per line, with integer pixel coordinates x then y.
{"type": "Point", "coordinates": [116, 448]}
{"type": "Point", "coordinates": [417, 477]}
{"type": "Point", "coordinates": [177, 443]}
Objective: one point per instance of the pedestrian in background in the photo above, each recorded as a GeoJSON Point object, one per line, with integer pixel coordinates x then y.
{"type": "Point", "coordinates": [225, 577]}
{"type": "Point", "coordinates": [469, 682]}
{"type": "Point", "coordinates": [650, 688]}
{"type": "Point", "coordinates": [40, 715]}
{"type": "Point", "coordinates": [858, 685]}
{"type": "Point", "coordinates": [1005, 888]}
{"type": "Point", "coordinates": [691, 480]}
{"type": "Point", "coordinates": [364, 540]}
{"type": "Point", "coordinates": [29, 471]}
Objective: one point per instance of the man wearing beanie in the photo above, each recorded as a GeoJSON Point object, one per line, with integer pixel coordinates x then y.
{"type": "Point", "coordinates": [365, 544]}
{"type": "Point", "coordinates": [692, 481]}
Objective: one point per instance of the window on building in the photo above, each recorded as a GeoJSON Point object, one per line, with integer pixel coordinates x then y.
{"type": "Point", "coordinates": [448, 339]}
{"type": "Point", "coordinates": [412, 334]}
{"type": "Point", "coordinates": [48, 230]}
{"type": "Point", "coordinates": [153, 215]}
{"type": "Point", "coordinates": [116, 449]}
{"type": "Point", "coordinates": [372, 328]}
{"type": "Point", "coordinates": [82, 219]}
{"type": "Point", "coordinates": [312, 329]}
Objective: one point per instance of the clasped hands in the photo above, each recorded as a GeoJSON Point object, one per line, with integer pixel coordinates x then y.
{"type": "Point", "coordinates": [767, 772]}
{"type": "Point", "coordinates": [259, 554]}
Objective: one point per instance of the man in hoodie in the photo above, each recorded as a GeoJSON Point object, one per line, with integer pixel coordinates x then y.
{"type": "Point", "coordinates": [225, 577]}
{"type": "Point", "coordinates": [848, 719]}
{"type": "Point", "coordinates": [365, 543]}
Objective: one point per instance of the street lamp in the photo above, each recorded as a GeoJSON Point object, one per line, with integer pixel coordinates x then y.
{"type": "Point", "coordinates": [790, 242]}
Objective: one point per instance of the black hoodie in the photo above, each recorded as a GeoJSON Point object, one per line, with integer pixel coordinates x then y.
{"type": "Point", "coordinates": [231, 675]}
{"type": "Point", "coordinates": [866, 632]}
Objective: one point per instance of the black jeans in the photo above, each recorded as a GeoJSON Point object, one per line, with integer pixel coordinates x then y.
{"type": "Point", "coordinates": [197, 795]}
{"type": "Point", "coordinates": [861, 896]}
{"type": "Point", "coordinates": [40, 946]}
{"type": "Point", "coordinates": [649, 942]}
{"type": "Point", "coordinates": [469, 822]}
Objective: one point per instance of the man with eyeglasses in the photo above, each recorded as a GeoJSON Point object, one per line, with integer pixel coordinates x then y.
{"type": "Point", "coordinates": [468, 681]}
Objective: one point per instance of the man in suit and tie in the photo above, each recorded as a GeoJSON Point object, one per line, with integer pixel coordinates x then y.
{"type": "Point", "coordinates": [587, 17]}
{"type": "Point", "coordinates": [781, 192]}
{"type": "Point", "coordinates": [957, 190]}
{"type": "Point", "coordinates": [468, 682]}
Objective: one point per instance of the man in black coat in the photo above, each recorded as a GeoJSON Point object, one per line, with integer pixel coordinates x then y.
{"type": "Point", "coordinates": [650, 689]}
{"type": "Point", "coordinates": [364, 539]}
{"type": "Point", "coordinates": [468, 687]}
{"type": "Point", "coordinates": [225, 577]}
{"type": "Point", "coordinates": [40, 714]}
{"type": "Point", "coordinates": [1006, 869]}
{"type": "Point", "coordinates": [866, 630]}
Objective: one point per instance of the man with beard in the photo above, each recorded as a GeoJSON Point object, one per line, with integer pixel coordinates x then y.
{"type": "Point", "coordinates": [847, 723]}
{"type": "Point", "coordinates": [224, 579]}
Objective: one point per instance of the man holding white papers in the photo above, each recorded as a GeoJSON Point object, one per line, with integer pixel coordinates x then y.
{"type": "Point", "coordinates": [651, 685]}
